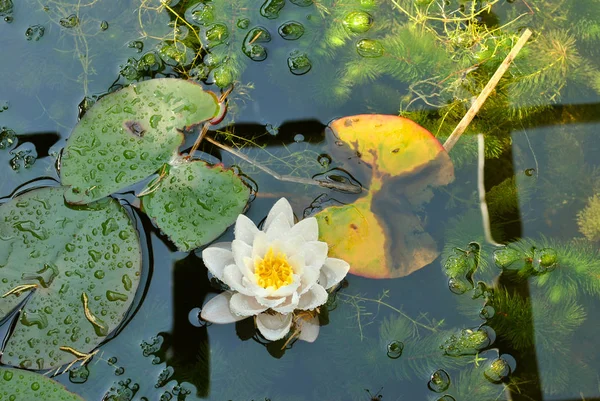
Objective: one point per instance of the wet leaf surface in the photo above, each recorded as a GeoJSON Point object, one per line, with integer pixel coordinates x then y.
{"type": "Point", "coordinates": [196, 202]}
{"type": "Point", "coordinates": [129, 134]}
{"type": "Point", "coordinates": [380, 234]}
{"type": "Point", "coordinates": [20, 385]}
{"type": "Point", "coordinates": [70, 258]}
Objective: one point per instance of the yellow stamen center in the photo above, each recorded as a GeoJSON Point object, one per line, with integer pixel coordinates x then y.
{"type": "Point", "coordinates": [273, 270]}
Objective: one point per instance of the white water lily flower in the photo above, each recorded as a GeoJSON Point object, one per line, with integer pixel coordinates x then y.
{"type": "Point", "coordinates": [273, 274]}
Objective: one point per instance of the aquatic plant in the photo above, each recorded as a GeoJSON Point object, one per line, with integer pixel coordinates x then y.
{"type": "Point", "coordinates": [588, 219]}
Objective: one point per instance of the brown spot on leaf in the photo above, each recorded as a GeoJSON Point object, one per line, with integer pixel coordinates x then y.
{"type": "Point", "coordinates": [135, 128]}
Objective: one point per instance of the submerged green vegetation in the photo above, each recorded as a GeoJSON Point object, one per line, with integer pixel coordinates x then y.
{"type": "Point", "coordinates": [512, 320]}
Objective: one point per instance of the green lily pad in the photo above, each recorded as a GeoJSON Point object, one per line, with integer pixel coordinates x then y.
{"type": "Point", "coordinates": [129, 134]}
{"type": "Point", "coordinates": [20, 385]}
{"type": "Point", "coordinates": [194, 203]}
{"type": "Point", "coordinates": [68, 257]}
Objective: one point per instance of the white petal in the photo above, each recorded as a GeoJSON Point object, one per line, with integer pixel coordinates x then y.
{"type": "Point", "coordinates": [333, 271]}
{"type": "Point", "coordinates": [297, 263]}
{"type": "Point", "coordinates": [216, 257]}
{"type": "Point", "coordinates": [309, 278]}
{"type": "Point", "coordinates": [240, 251]}
{"type": "Point", "coordinates": [287, 290]}
{"type": "Point", "coordinates": [270, 302]}
{"type": "Point", "coordinates": [307, 229]}
{"type": "Point", "coordinates": [279, 228]}
{"type": "Point", "coordinates": [289, 305]}
{"type": "Point", "coordinates": [243, 305]}
{"type": "Point", "coordinates": [282, 206]}
{"type": "Point", "coordinates": [315, 253]}
{"type": "Point", "coordinates": [233, 278]}
{"type": "Point", "coordinates": [313, 298]}
{"type": "Point", "coordinates": [292, 245]}
{"type": "Point", "coordinates": [245, 229]}
{"type": "Point", "coordinates": [274, 327]}
{"type": "Point", "coordinates": [256, 289]}
{"type": "Point", "coordinates": [260, 246]}
{"type": "Point", "coordinates": [309, 329]}
{"type": "Point", "coordinates": [217, 310]}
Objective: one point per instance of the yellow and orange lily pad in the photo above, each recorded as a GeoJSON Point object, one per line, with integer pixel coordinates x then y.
{"type": "Point", "coordinates": [379, 234]}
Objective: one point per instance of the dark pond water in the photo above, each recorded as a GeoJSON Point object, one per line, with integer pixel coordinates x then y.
{"type": "Point", "coordinates": [408, 338]}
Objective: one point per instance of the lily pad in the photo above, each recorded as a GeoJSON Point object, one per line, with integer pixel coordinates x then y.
{"type": "Point", "coordinates": [129, 134]}
{"type": "Point", "coordinates": [392, 145]}
{"type": "Point", "coordinates": [20, 385]}
{"type": "Point", "coordinates": [194, 203]}
{"type": "Point", "coordinates": [83, 265]}
{"type": "Point", "coordinates": [380, 235]}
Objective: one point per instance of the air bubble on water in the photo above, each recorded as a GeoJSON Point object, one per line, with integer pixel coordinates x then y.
{"type": "Point", "coordinates": [369, 48]}
{"type": "Point", "coordinates": [152, 346]}
{"type": "Point", "coordinates": [446, 398]}
{"type": "Point", "coordinates": [123, 391]}
{"type": "Point", "coordinates": [4, 105]}
{"type": "Point", "coordinates": [136, 44]}
{"type": "Point", "coordinates": [394, 349]}
{"type": "Point", "coordinates": [79, 374]}
{"type": "Point", "coordinates": [7, 137]}
{"type": "Point", "coordinates": [35, 32]}
{"type": "Point", "coordinates": [298, 138]}
{"type": "Point", "coordinates": [272, 129]}
{"type": "Point", "coordinates": [291, 30]}
{"type": "Point", "coordinates": [103, 25]}
{"type": "Point", "coordinates": [468, 341]}
{"type": "Point", "coordinates": [459, 286]}
{"type": "Point", "coordinates": [299, 63]}
{"type": "Point", "coordinates": [69, 22]}
{"type": "Point", "coordinates": [6, 8]}
{"type": "Point", "coordinates": [271, 8]}
{"type": "Point", "coordinates": [358, 22]}
{"type": "Point", "coordinates": [544, 260]}
{"type": "Point", "coordinates": [255, 52]}
{"type": "Point", "coordinates": [508, 258]}
{"type": "Point", "coordinates": [251, 46]}
{"type": "Point", "coordinates": [216, 34]}
{"type": "Point", "coordinates": [164, 376]}
{"type": "Point", "coordinates": [487, 312]}
{"type": "Point", "coordinates": [243, 23]}
{"type": "Point", "coordinates": [203, 14]}
{"type": "Point", "coordinates": [302, 3]}
{"type": "Point", "coordinates": [439, 381]}
{"type": "Point", "coordinates": [324, 160]}
{"type": "Point", "coordinates": [530, 172]}
{"type": "Point", "coordinates": [497, 370]}
{"type": "Point", "coordinates": [24, 156]}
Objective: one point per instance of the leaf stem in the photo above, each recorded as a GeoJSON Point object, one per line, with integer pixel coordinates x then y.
{"type": "Point", "coordinates": [340, 186]}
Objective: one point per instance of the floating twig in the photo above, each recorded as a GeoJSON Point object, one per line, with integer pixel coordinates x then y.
{"type": "Point", "coordinates": [491, 85]}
